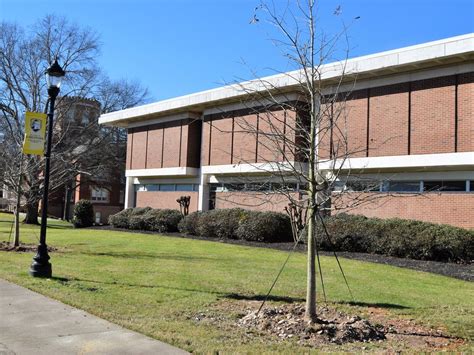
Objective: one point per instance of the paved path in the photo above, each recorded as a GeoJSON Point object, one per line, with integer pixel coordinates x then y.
{"type": "Point", "coordinates": [33, 324]}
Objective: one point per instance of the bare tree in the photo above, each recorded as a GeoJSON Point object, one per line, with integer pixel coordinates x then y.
{"type": "Point", "coordinates": [299, 121]}
{"type": "Point", "coordinates": [90, 149]}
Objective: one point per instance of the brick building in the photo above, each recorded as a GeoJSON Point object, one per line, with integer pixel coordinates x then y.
{"type": "Point", "coordinates": [104, 189]}
{"type": "Point", "coordinates": [409, 123]}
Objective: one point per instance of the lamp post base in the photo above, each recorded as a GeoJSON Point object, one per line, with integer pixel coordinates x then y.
{"type": "Point", "coordinates": [41, 267]}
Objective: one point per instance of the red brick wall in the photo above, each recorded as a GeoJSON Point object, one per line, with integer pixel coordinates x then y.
{"type": "Point", "coordinates": [252, 201]}
{"type": "Point", "coordinates": [221, 142]}
{"type": "Point", "coordinates": [139, 151]}
{"type": "Point", "coordinates": [106, 211]}
{"type": "Point", "coordinates": [128, 159]}
{"type": "Point", "coordinates": [446, 208]}
{"type": "Point", "coordinates": [466, 112]}
{"type": "Point", "coordinates": [246, 138]}
{"type": "Point", "coordinates": [388, 125]}
{"type": "Point", "coordinates": [166, 199]}
{"type": "Point", "coordinates": [433, 116]}
{"type": "Point", "coordinates": [326, 133]}
{"type": "Point", "coordinates": [165, 145]}
{"type": "Point", "coordinates": [206, 142]}
{"type": "Point", "coordinates": [354, 123]}
{"type": "Point", "coordinates": [172, 140]}
{"type": "Point", "coordinates": [271, 133]}
{"type": "Point", "coordinates": [407, 118]}
{"type": "Point", "coordinates": [154, 147]}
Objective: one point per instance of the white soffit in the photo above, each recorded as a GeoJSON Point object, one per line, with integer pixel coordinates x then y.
{"type": "Point", "coordinates": [430, 51]}
{"type": "Point", "coordinates": [256, 168]}
{"type": "Point", "coordinates": [182, 171]}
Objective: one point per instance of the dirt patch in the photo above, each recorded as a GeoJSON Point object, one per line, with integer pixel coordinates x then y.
{"type": "Point", "coordinates": [287, 321]}
{"type": "Point", "coordinates": [334, 330]}
{"type": "Point", "coordinates": [23, 248]}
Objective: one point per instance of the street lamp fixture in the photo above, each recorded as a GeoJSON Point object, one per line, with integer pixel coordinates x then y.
{"type": "Point", "coordinates": [41, 267]}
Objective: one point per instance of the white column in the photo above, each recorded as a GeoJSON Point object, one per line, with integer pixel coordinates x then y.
{"type": "Point", "coordinates": [129, 193]}
{"type": "Point", "coordinates": [203, 204]}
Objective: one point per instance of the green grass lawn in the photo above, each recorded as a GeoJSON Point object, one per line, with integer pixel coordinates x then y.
{"type": "Point", "coordinates": [155, 284]}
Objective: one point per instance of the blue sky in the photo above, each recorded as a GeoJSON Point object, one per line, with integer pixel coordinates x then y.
{"type": "Point", "coordinates": [176, 47]}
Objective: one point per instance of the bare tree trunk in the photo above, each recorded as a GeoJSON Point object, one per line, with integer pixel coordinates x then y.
{"type": "Point", "coordinates": [310, 311]}
{"type": "Point", "coordinates": [16, 237]}
{"type": "Point", "coordinates": [31, 213]}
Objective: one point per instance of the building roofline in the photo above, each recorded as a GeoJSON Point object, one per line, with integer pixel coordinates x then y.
{"type": "Point", "coordinates": [388, 62]}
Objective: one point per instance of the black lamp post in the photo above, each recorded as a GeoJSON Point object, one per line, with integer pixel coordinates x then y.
{"type": "Point", "coordinates": [41, 267]}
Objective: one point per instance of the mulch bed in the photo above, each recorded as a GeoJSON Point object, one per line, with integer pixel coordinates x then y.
{"type": "Point", "coordinates": [458, 271]}
{"type": "Point", "coordinates": [288, 321]}
{"type": "Point", "coordinates": [281, 323]}
{"type": "Point", "coordinates": [23, 248]}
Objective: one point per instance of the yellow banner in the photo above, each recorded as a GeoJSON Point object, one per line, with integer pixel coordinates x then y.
{"type": "Point", "coordinates": [35, 131]}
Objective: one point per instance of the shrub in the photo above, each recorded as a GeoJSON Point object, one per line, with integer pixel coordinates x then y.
{"type": "Point", "coordinates": [268, 227]}
{"type": "Point", "coordinates": [397, 237]}
{"type": "Point", "coordinates": [188, 225]}
{"type": "Point", "coordinates": [136, 218]}
{"type": "Point", "coordinates": [221, 224]}
{"type": "Point", "coordinates": [237, 223]}
{"type": "Point", "coordinates": [121, 219]}
{"type": "Point", "coordinates": [147, 218]}
{"type": "Point", "coordinates": [83, 215]}
{"type": "Point", "coordinates": [162, 221]}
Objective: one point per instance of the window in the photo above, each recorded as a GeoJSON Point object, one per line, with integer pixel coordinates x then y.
{"type": "Point", "coordinates": [401, 186]}
{"type": "Point", "coordinates": [84, 119]}
{"type": "Point", "coordinates": [140, 188]}
{"type": "Point", "coordinates": [362, 185]}
{"type": "Point", "coordinates": [167, 187]}
{"type": "Point", "coordinates": [449, 186]}
{"type": "Point", "coordinates": [152, 187]}
{"type": "Point", "coordinates": [284, 187]}
{"type": "Point", "coordinates": [184, 187]}
{"type": "Point", "coordinates": [99, 194]}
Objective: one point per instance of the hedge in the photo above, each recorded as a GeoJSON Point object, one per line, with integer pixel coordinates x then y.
{"type": "Point", "coordinates": [146, 218]}
{"type": "Point", "coordinates": [349, 233]}
{"type": "Point", "coordinates": [237, 223]}
{"type": "Point", "coordinates": [397, 237]}
{"type": "Point", "coordinates": [83, 214]}
{"type": "Point", "coordinates": [265, 227]}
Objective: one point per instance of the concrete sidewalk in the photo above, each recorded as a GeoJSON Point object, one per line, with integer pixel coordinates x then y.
{"type": "Point", "coordinates": [33, 324]}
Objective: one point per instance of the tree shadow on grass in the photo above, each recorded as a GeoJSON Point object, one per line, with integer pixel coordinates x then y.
{"type": "Point", "coordinates": [59, 227]}
{"type": "Point", "coordinates": [287, 299]}
{"type": "Point", "coordinates": [64, 280]}
{"type": "Point", "coordinates": [141, 255]}
{"type": "Point", "coordinates": [221, 295]}
{"type": "Point", "coordinates": [375, 305]}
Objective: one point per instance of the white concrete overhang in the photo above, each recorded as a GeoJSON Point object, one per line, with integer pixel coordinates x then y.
{"type": "Point", "coordinates": [163, 172]}
{"type": "Point", "coordinates": [256, 168]}
{"type": "Point", "coordinates": [447, 51]}
{"type": "Point", "coordinates": [419, 162]}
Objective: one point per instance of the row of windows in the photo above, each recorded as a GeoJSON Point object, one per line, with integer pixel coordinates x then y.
{"type": "Point", "coordinates": [167, 187]}
{"type": "Point", "coordinates": [255, 187]}
{"type": "Point", "coordinates": [357, 185]}
{"type": "Point", "coordinates": [409, 186]}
